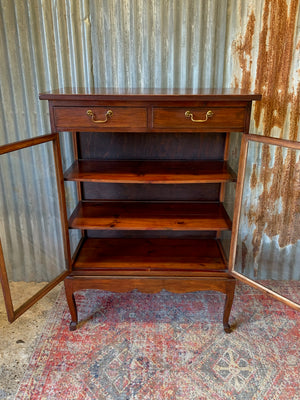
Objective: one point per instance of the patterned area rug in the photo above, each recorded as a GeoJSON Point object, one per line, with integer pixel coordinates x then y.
{"type": "Point", "coordinates": [166, 346]}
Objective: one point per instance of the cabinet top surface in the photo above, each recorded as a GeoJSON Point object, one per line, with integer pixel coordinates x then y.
{"type": "Point", "coordinates": [81, 93]}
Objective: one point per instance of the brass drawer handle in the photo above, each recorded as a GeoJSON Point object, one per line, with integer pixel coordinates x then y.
{"type": "Point", "coordinates": [188, 114]}
{"type": "Point", "coordinates": [109, 114]}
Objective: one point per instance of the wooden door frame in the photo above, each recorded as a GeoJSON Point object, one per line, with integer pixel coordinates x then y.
{"type": "Point", "coordinates": [238, 205]}
{"type": "Point", "coordinates": [11, 147]}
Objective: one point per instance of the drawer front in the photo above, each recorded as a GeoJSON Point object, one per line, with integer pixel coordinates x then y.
{"type": "Point", "coordinates": [199, 118]}
{"type": "Point", "coordinates": [96, 118]}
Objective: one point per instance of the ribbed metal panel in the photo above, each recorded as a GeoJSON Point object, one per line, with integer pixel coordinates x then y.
{"type": "Point", "coordinates": [140, 43]}
{"type": "Point", "coordinates": [160, 43]}
{"type": "Point", "coordinates": [265, 53]}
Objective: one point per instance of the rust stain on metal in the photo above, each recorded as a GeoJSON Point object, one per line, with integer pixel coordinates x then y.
{"type": "Point", "coordinates": [278, 210]}
{"type": "Point", "coordinates": [275, 56]}
{"type": "Point", "coordinates": [295, 113]}
{"type": "Point", "coordinates": [243, 47]}
{"type": "Point", "coordinates": [253, 181]}
{"type": "Point", "coordinates": [244, 256]}
{"type": "Point", "coordinates": [279, 202]}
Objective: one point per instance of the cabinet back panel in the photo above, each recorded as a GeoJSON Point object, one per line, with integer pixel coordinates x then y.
{"type": "Point", "coordinates": [152, 234]}
{"type": "Point", "coordinates": [98, 191]}
{"type": "Point", "coordinates": [147, 146]}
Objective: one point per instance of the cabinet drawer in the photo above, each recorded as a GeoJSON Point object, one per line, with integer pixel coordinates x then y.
{"type": "Point", "coordinates": [199, 118]}
{"type": "Point", "coordinates": [100, 117]}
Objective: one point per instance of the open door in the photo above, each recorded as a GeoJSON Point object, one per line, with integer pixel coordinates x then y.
{"type": "Point", "coordinates": [265, 245]}
{"type": "Point", "coordinates": [34, 245]}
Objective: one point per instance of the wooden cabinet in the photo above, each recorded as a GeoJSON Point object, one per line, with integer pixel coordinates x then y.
{"type": "Point", "coordinates": [150, 169]}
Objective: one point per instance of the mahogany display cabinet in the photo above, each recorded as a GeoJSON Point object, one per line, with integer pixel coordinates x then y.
{"type": "Point", "coordinates": [150, 169]}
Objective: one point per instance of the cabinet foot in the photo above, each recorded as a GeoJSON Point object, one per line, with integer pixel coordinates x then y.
{"type": "Point", "coordinates": [227, 328]}
{"type": "Point", "coordinates": [73, 326]}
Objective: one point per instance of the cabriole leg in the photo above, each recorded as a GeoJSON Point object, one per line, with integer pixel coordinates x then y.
{"type": "Point", "coordinates": [71, 303]}
{"type": "Point", "coordinates": [230, 287]}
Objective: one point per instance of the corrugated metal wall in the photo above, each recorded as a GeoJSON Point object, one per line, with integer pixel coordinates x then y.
{"type": "Point", "coordinates": [144, 43]}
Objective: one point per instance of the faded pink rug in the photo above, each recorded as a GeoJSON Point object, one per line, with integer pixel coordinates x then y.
{"type": "Point", "coordinates": [134, 346]}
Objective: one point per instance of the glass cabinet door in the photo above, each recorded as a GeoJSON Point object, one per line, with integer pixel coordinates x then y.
{"type": "Point", "coordinates": [265, 246]}
{"type": "Point", "coordinates": [34, 243]}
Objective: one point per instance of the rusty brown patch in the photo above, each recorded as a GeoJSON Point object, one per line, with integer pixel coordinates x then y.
{"type": "Point", "coordinates": [274, 62]}
{"type": "Point", "coordinates": [253, 181]}
{"type": "Point", "coordinates": [244, 257]}
{"type": "Point", "coordinates": [275, 56]}
{"type": "Point", "coordinates": [294, 114]}
{"type": "Point", "coordinates": [243, 47]}
{"type": "Point", "coordinates": [278, 210]}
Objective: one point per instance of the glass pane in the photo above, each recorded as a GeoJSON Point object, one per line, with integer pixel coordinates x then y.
{"type": "Point", "coordinates": [30, 226]}
{"type": "Point", "coordinates": [268, 246]}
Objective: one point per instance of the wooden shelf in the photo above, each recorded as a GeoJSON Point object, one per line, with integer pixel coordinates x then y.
{"type": "Point", "coordinates": [174, 216]}
{"type": "Point", "coordinates": [156, 172]}
{"type": "Point", "coordinates": [137, 256]}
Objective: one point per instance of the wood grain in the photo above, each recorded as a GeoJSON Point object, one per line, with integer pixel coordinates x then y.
{"type": "Point", "coordinates": [149, 256]}
{"type": "Point", "coordinates": [77, 118]}
{"type": "Point", "coordinates": [174, 117]}
{"type": "Point", "coordinates": [150, 94]}
{"type": "Point", "coordinates": [23, 144]}
{"type": "Point", "coordinates": [150, 216]}
{"type": "Point", "coordinates": [150, 172]}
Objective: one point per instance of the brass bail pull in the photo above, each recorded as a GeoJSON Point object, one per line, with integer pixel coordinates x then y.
{"type": "Point", "coordinates": [209, 114]}
{"type": "Point", "coordinates": [108, 115]}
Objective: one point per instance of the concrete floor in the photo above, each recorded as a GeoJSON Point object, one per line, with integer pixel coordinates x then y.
{"type": "Point", "coordinates": [18, 340]}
